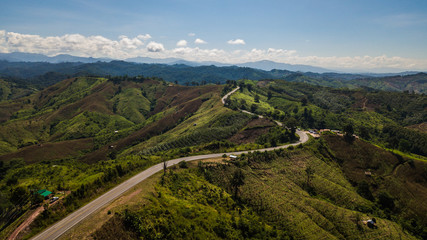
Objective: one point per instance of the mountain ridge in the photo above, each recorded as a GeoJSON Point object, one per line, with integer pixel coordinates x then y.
{"type": "Point", "coordinates": [266, 65]}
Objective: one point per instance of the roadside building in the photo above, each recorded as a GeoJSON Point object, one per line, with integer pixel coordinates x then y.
{"type": "Point", "coordinates": [45, 193]}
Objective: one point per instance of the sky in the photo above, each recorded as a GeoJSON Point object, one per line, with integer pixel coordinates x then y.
{"type": "Point", "coordinates": [374, 35]}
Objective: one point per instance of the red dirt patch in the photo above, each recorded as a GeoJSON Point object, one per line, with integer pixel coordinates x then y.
{"type": "Point", "coordinates": [176, 95]}
{"type": "Point", "coordinates": [50, 151]}
{"type": "Point", "coordinates": [252, 131]}
{"type": "Point", "coordinates": [145, 133]}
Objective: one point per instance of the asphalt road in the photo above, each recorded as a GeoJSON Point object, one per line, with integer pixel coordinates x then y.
{"type": "Point", "coordinates": [71, 220]}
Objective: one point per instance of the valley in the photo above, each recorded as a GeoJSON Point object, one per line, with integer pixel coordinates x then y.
{"type": "Point", "coordinates": [290, 120]}
{"type": "Point", "coordinates": [99, 137]}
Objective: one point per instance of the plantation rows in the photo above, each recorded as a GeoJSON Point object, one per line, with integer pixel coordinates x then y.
{"type": "Point", "coordinates": [198, 137]}
{"type": "Point", "coordinates": [219, 128]}
{"type": "Point", "coordinates": [275, 187]}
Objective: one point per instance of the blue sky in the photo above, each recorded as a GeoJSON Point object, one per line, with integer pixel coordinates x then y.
{"type": "Point", "coordinates": [330, 33]}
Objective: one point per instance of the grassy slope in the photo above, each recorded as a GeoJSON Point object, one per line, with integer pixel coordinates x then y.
{"type": "Point", "coordinates": [275, 192]}
{"type": "Point", "coordinates": [186, 206]}
{"type": "Point", "coordinates": [10, 90]}
{"type": "Point", "coordinates": [402, 177]}
{"type": "Point", "coordinates": [83, 108]}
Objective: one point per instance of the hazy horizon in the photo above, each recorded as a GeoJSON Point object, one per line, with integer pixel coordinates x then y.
{"type": "Point", "coordinates": [346, 36]}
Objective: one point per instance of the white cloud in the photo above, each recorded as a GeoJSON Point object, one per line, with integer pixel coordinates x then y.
{"type": "Point", "coordinates": [130, 43]}
{"type": "Point", "coordinates": [181, 43]}
{"type": "Point", "coordinates": [155, 47]}
{"type": "Point", "coordinates": [74, 44]}
{"type": "Point", "coordinates": [191, 34]}
{"type": "Point", "coordinates": [199, 41]}
{"type": "Point", "coordinates": [126, 47]}
{"type": "Point", "coordinates": [144, 37]}
{"type": "Point", "coordinates": [236, 42]}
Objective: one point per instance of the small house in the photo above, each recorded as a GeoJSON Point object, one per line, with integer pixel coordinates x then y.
{"type": "Point", "coordinates": [45, 193]}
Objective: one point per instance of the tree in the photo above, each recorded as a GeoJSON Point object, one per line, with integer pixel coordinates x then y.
{"type": "Point", "coordinates": [165, 167]}
{"type": "Point", "coordinates": [36, 199]}
{"type": "Point", "coordinates": [364, 133]}
{"type": "Point", "coordinates": [256, 98]}
{"type": "Point", "coordinates": [269, 95]}
{"type": "Point", "coordinates": [304, 101]}
{"type": "Point", "coordinates": [348, 133]}
{"type": "Point", "coordinates": [19, 196]}
{"type": "Point", "coordinates": [237, 180]}
{"type": "Point", "coordinates": [241, 86]}
{"type": "Point", "coordinates": [364, 190]}
{"type": "Point", "coordinates": [183, 164]}
{"type": "Point", "coordinates": [386, 201]}
{"type": "Point", "coordinates": [404, 145]}
{"type": "Point", "coordinates": [310, 172]}
{"type": "Point", "coordinates": [254, 107]}
{"type": "Point", "coordinates": [295, 110]}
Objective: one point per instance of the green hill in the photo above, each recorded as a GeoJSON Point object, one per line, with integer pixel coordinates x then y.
{"type": "Point", "coordinates": [314, 192]}
{"type": "Point", "coordinates": [84, 135]}
{"type": "Point", "coordinates": [380, 116]}
{"type": "Point", "coordinates": [89, 132]}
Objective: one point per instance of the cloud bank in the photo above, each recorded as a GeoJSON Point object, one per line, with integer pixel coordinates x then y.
{"type": "Point", "coordinates": [127, 47]}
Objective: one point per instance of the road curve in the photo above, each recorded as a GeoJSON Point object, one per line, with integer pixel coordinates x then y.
{"type": "Point", "coordinates": [228, 94]}
{"type": "Point", "coordinates": [71, 220]}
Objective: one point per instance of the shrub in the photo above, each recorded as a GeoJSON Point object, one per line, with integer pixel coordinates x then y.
{"type": "Point", "coordinates": [183, 164]}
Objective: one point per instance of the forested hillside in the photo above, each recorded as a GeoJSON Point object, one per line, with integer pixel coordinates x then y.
{"type": "Point", "coordinates": [380, 116]}
{"type": "Point", "coordinates": [44, 74]}
{"type": "Point", "coordinates": [319, 191]}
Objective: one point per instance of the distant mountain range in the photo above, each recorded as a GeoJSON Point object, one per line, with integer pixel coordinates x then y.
{"type": "Point", "coordinates": [42, 74]}
{"type": "Point", "coordinates": [35, 57]}
{"type": "Point", "coordinates": [263, 65]}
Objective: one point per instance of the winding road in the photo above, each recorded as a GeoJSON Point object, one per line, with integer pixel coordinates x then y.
{"type": "Point", "coordinates": [56, 230]}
